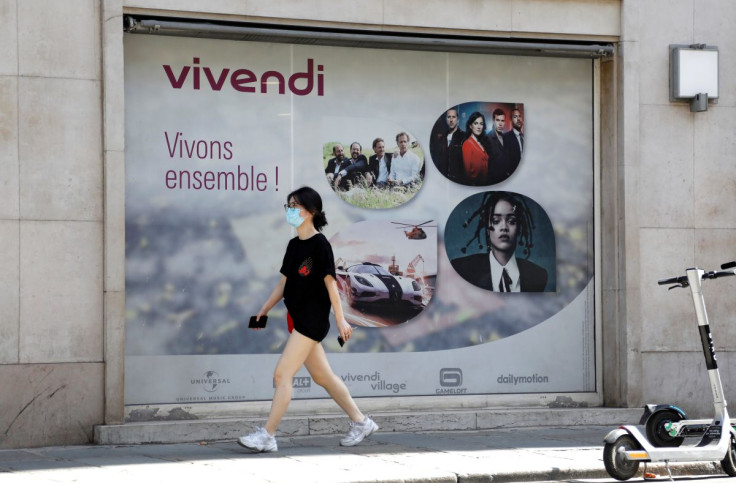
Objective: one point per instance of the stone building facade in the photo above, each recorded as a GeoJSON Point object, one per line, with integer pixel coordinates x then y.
{"type": "Point", "coordinates": [667, 187]}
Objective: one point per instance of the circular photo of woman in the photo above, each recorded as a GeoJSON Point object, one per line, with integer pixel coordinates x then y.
{"type": "Point", "coordinates": [502, 242]}
{"type": "Point", "coordinates": [478, 143]}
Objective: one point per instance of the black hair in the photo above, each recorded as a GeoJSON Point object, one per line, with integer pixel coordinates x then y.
{"type": "Point", "coordinates": [485, 211]}
{"type": "Point", "coordinates": [471, 120]}
{"type": "Point", "coordinates": [483, 138]}
{"type": "Point", "coordinates": [312, 202]}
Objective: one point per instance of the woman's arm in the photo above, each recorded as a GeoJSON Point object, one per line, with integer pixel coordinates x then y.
{"type": "Point", "coordinates": [276, 294]}
{"type": "Point", "coordinates": [342, 325]}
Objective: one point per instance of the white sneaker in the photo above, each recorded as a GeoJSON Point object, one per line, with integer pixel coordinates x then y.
{"type": "Point", "coordinates": [259, 440]}
{"type": "Point", "coordinates": [358, 432]}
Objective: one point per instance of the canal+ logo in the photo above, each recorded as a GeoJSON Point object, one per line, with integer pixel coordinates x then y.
{"type": "Point", "coordinates": [298, 382]}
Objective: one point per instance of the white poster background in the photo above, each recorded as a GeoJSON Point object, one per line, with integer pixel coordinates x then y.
{"type": "Point", "coordinates": [224, 248]}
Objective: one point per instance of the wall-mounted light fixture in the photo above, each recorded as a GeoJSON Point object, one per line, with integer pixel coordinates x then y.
{"type": "Point", "coordinates": [694, 75]}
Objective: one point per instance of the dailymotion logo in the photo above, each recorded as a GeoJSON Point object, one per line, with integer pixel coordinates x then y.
{"type": "Point", "coordinates": [451, 378]}
{"type": "Point", "coordinates": [526, 379]}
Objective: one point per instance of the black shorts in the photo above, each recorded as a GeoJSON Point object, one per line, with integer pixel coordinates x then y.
{"type": "Point", "coordinates": [315, 330]}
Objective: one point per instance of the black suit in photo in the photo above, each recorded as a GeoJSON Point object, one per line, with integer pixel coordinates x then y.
{"type": "Point", "coordinates": [498, 163]}
{"type": "Point", "coordinates": [353, 171]}
{"type": "Point", "coordinates": [513, 150]}
{"type": "Point", "coordinates": [373, 164]}
{"type": "Point", "coordinates": [476, 269]}
{"type": "Point", "coordinates": [449, 157]}
{"type": "Point", "coordinates": [331, 166]}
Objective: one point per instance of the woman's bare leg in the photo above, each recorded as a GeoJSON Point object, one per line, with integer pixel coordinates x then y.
{"type": "Point", "coordinates": [298, 348]}
{"type": "Point", "coordinates": [321, 372]}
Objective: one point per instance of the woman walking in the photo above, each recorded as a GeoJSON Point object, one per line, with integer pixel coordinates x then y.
{"type": "Point", "coordinates": [309, 289]}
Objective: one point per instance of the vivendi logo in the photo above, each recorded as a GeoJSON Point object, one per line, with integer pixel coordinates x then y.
{"type": "Point", "coordinates": [245, 80]}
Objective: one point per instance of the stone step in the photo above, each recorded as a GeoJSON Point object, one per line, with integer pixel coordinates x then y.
{"type": "Point", "coordinates": [217, 429]}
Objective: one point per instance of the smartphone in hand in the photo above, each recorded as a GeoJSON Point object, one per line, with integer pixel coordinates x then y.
{"type": "Point", "coordinates": [258, 324]}
{"type": "Point", "coordinates": [340, 340]}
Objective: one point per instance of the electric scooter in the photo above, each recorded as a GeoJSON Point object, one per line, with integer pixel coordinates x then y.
{"type": "Point", "coordinates": [667, 426]}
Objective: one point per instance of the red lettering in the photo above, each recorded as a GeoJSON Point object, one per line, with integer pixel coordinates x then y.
{"type": "Point", "coordinates": [299, 83]}
{"type": "Point", "coordinates": [203, 149]}
{"type": "Point", "coordinates": [197, 175]}
{"type": "Point", "coordinates": [172, 149]}
{"type": "Point", "coordinates": [277, 75]}
{"type": "Point", "coordinates": [240, 178]}
{"type": "Point", "coordinates": [181, 179]}
{"type": "Point", "coordinates": [247, 180]}
{"type": "Point", "coordinates": [209, 180]}
{"type": "Point", "coordinates": [216, 85]}
{"type": "Point", "coordinates": [171, 176]}
{"type": "Point", "coordinates": [228, 176]}
{"type": "Point", "coordinates": [202, 155]}
{"type": "Point", "coordinates": [196, 74]}
{"type": "Point", "coordinates": [261, 181]}
{"type": "Point", "coordinates": [176, 83]}
{"type": "Point", "coordinates": [189, 147]}
{"type": "Point", "coordinates": [240, 77]}
{"type": "Point", "coordinates": [320, 81]}
{"type": "Point", "coordinates": [302, 75]}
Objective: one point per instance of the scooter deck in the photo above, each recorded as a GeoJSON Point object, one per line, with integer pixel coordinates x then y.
{"type": "Point", "coordinates": [692, 428]}
{"type": "Point", "coordinates": [710, 448]}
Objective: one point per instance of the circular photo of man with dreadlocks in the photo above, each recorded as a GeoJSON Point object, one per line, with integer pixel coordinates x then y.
{"type": "Point", "coordinates": [502, 242]}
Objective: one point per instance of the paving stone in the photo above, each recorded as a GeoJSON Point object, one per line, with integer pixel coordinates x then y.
{"type": "Point", "coordinates": [569, 453]}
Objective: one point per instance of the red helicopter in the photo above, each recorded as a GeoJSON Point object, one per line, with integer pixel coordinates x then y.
{"type": "Point", "coordinates": [416, 232]}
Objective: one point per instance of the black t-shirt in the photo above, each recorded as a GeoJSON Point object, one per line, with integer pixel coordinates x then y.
{"type": "Point", "coordinates": [306, 264]}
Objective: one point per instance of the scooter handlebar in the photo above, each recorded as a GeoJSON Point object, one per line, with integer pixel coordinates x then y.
{"type": "Point", "coordinates": [674, 280]}
{"type": "Point", "coordinates": [719, 273]}
{"type": "Point", "coordinates": [683, 282]}
{"type": "Point", "coordinates": [728, 265]}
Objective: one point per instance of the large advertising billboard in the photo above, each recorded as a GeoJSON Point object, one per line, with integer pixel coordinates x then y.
{"type": "Point", "coordinates": [459, 194]}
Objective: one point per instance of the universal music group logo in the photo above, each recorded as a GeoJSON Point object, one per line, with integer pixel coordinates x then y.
{"type": "Point", "coordinates": [210, 381]}
{"type": "Point", "coordinates": [451, 380]}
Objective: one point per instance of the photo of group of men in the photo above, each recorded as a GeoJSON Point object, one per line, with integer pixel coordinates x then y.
{"type": "Point", "coordinates": [487, 151]}
{"type": "Point", "coordinates": [401, 170]}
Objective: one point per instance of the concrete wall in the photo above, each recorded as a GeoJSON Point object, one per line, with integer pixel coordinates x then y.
{"type": "Point", "coordinates": [679, 210]}
{"type": "Point", "coordinates": [51, 222]}
{"type": "Point", "coordinates": [668, 189]}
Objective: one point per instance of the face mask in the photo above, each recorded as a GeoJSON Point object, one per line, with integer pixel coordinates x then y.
{"type": "Point", "coordinates": [293, 218]}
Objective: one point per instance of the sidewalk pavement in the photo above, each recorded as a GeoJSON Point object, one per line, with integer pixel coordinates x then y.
{"type": "Point", "coordinates": [521, 454]}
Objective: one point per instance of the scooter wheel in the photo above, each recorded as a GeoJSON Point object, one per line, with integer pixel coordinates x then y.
{"type": "Point", "coordinates": [657, 434]}
{"type": "Point", "coordinates": [729, 462]}
{"type": "Point", "coordinates": [616, 463]}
